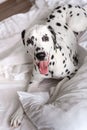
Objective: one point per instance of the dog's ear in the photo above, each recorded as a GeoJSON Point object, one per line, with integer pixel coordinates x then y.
{"type": "Point", "coordinates": [53, 35]}
{"type": "Point", "coordinates": [23, 36]}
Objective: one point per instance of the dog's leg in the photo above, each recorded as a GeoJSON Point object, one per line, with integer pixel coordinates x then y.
{"type": "Point", "coordinates": [33, 105]}
{"type": "Point", "coordinates": [17, 117]}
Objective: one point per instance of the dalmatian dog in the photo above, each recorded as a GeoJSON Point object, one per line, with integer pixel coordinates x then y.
{"type": "Point", "coordinates": [53, 47]}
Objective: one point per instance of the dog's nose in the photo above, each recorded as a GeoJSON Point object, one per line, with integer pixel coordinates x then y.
{"type": "Point", "coordinates": [40, 55]}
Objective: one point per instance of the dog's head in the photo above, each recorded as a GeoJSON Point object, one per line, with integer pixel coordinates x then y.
{"type": "Point", "coordinates": [39, 42]}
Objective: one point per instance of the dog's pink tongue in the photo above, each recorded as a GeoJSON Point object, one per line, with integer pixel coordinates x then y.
{"type": "Point", "coordinates": [43, 67]}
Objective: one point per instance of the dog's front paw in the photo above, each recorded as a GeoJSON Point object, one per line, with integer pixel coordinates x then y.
{"type": "Point", "coordinates": [17, 117]}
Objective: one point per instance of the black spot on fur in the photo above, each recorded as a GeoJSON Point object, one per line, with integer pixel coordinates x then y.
{"type": "Point", "coordinates": [50, 63]}
{"type": "Point", "coordinates": [66, 24]}
{"type": "Point", "coordinates": [53, 63]}
{"type": "Point", "coordinates": [30, 41]}
{"type": "Point", "coordinates": [62, 73]}
{"type": "Point", "coordinates": [48, 20]}
{"type": "Point", "coordinates": [23, 35]}
{"type": "Point", "coordinates": [59, 33]}
{"type": "Point", "coordinates": [83, 9]}
{"type": "Point", "coordinates": [76, 33]}
{"type": "Point", "coordinates": [76, 70]}
{"type": "Point", "coordinates": [58, 24]}
{"type": "Point", "coordinates": [59, 11]}
{"type": "Point", "coordinates": [63, 61]}
{"type": "Point", "coordinates": [30, 82]}
{"type": "Point", "coordinates": [78, 14]}
{"type": "Point", "coordinates": [59, 47]}
{"type": "Point", "coordinates": [52, 16]}
{"type": "Point", "coordinates": [75, 60]}
{"type": "Point", "coordinates": [65, 27]}
{"type": "Point", "coordinates": [66, 70]}
{"type": "Point", "coordinates": [32, 38]}
{"type": "Point", "coordinates": [64, 8]}
{"type": "Point", "coordinates": [49, 27]}
{"type": "Point", "coordinates": [71, 15]}
{"type": "Point", "coordinates": [38, 48]}
{"type": "Point", "coordinates": [64, 65]}
{"type": "Point", "coordinates": [77, 6]}
{"type": "Point", "coordinates": [69, 6]}
{"type": "Point", "coordinates": [58, 7]}
{"type": "Point", "coordinates": [69, 77]}
{"type": "Point", "coordinates": [68, 47]}
{"type": "Point", "coordinates": [53, 35]}
{"type": "Point", "coordinates": [85, 14]}
{"type": "Point", "coordinates": [70, 12]}
{"type": "Point", "coordinates": [52, 56]}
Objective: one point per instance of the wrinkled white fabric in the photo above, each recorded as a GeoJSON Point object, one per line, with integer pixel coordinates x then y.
{"type": "Point", "coordinates": [67, 112]}
{"type": "Point", "coordinates": [1, 1]}
{"type": "Point", "coordinates": [15, 65]}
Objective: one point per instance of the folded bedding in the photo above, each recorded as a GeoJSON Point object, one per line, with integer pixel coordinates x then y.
{"type": "Point", "coordinates": [67, 112]}
{"type": "Point", "coordinates": [1, 1]}
{"type": "Point", "coordinates": [16, 66]}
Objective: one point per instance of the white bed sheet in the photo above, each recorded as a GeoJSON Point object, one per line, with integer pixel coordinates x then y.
{"type": "Point", "coordinates": [1, 1]}
{"type": "Point", "coordinates": [15, 66]}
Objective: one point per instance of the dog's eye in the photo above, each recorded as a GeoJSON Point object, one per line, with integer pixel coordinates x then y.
{"type": "Point", "coordinates": [30, 41]}
{"type": "Point", "coordinates": [45, 38]}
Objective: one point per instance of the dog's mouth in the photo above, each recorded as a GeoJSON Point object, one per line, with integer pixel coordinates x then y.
{"type": "Point", "coordinates": [42, 61]}
{"type": "Point", "coordinates": [43, 66]}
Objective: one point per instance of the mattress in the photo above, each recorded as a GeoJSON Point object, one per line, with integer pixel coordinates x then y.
{"type": "Point", "coordinates": [15, 65]}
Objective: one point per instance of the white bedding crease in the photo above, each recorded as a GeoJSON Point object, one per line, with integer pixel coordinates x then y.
{"type": "Point", "coordinates": [16, 66]}
{"type": "Point", "coordinates": [1, 1]}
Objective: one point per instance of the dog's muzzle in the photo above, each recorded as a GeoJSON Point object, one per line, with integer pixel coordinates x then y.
{"type": "Point", "coordinates": [40, 56]}
{"type": "Point", "coordinates": [43, 62]}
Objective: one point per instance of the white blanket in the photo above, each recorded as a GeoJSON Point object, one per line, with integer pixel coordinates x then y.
{"type": "Point", "coordinates": [69, 109]}
{"type": "Point", "coordinates": [1, 1]}
{"type": "Point", "coordinates": [15, 66]}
